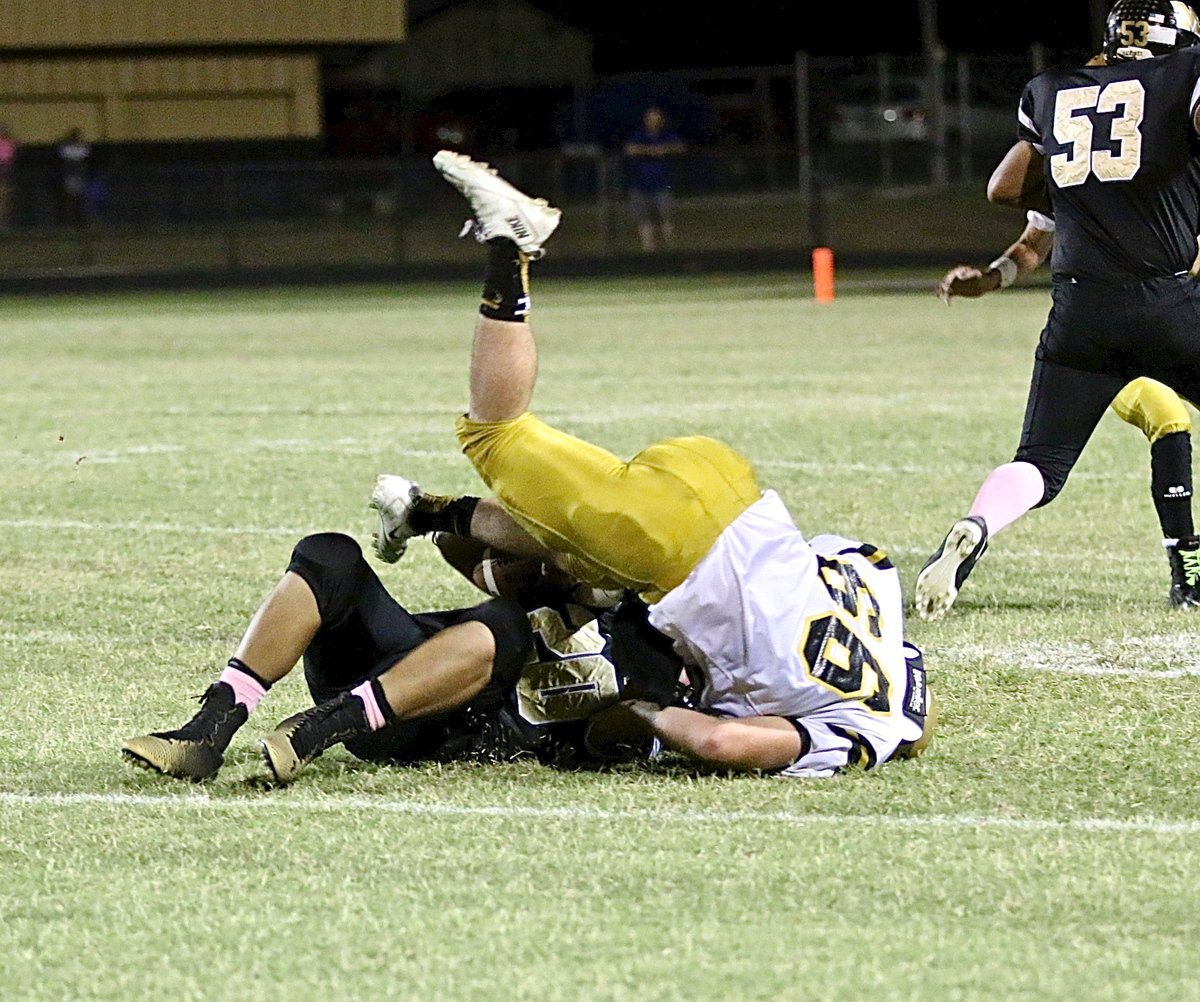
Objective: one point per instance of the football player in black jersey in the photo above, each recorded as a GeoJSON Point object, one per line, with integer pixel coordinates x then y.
{"type": "Point", "coordinates": [1113, 152]}
{"type": "Point", "coordinates": [524, 673]}
{"type": "Point", "coordinates": [388, 684]}
{"type": "Point", "coordinates": [1154, 409]}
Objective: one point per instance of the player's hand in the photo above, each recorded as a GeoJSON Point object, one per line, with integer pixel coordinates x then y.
{"type": "Point", "coordinates": [966, 281]}
{"type": "Point", "coordinates": [616, 731]}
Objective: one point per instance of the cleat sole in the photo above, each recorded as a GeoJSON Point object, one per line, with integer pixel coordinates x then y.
{"type": "Point", "coordinates": [940, 579]}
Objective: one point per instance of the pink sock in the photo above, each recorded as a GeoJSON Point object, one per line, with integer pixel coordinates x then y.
{"type": "Point", "coordinates": [1007, 494]}
{"type": "Point", "coordinates": [366, 692]}
{"type": "Point", "coordinates": [247, 690]}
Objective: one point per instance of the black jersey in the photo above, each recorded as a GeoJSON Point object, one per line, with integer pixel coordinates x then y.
{"type": "Point", "coordinates": [1121, 164]}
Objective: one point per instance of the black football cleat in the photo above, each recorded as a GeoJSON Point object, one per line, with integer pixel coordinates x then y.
{"type": "Point", "coordinates": [303, 736]}
{"type": "Point", "coordinates": [1184, 557]}
{"type": "Point", "coordinates": [196, 750]}
{"type": "Point", "coordinates": [946, 570]}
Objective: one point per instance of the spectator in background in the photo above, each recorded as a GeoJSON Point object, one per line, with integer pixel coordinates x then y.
{"type": "Point", "coordinates": [8, 161]}
{"type": "Point", "coordinates": [74, 157]}
{"type": "Point", "coordinates": [649, 178]}
{"type": "Point", "coordinates": [95, 194]}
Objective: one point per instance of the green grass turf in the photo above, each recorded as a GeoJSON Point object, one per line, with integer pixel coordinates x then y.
{"type": "Point", "coordinates": [162, 453]}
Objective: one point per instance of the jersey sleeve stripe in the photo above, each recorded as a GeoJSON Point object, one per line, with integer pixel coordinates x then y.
{"type": "Point", "coordinates": [862, 753]}
{"type": "Point", "coordinates": [874, 554]}
{"type": "Point", "coordinates": [1028, 129]}
{"type": "Point", "coordinates": [805, 738]}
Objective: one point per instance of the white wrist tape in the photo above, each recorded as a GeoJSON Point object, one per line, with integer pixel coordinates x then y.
{"type": "Point", "coordinates": [1007, 268]}
{"type": "Point", "coordinates": [1040, 221]}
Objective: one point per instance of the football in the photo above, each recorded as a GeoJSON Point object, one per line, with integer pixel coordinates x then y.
{"type": "Point", "coordinates": [492, 571]}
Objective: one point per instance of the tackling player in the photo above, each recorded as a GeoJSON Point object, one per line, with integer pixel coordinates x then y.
{"type": "Point", "coordinates": [523, 673]}
{"type": "Point", "coordinates": [800, 643]}
{"type": "Point", "coordinates": [1114, 148]}
{"type": "Point", "coordinates": [1146, 404]}
{"type": "Point", "coordinates": [386, 683]}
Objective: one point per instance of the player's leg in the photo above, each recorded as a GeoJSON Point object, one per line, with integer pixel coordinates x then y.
{"type": "Point", "coordinates": [1169, 351]}
{"type": "Point", "coordinates": [641, 209]}
{"type": "Point", "coordinates": [373, 668]}
{"type": "Point", "coordinates": [1063, 409]}
{"type": "Point", "coordinates": [1158, 412]}
{"type": "Point", "coordinates": [503, 370]}
{"type": "Point", "coordinates": [442, 673]}
{"type": "Point", "coordinates": [277, 636]}
{"type": "Point", "coordinates": [405, 511]}
{"type": "Point", "coordinates": [664, 205]}
{"type": "Point", "coordinates": [470, 656]}
{"type": "Point", "coordinates": [329, 607]}
{"type": "Point", "coordinates": [642, 524]}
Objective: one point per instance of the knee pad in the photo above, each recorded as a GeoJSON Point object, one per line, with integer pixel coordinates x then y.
{"type": "Point", "coordinates": [333, 566]}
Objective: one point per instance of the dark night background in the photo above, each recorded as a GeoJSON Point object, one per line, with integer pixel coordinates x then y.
{"type": "Point", "coordinates": [631, 36]}
{"type": "Point", "coordinates": [641, 39]}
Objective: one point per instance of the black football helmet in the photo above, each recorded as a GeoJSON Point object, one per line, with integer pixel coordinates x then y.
{"type": "Point", "coordinates": [1141, 29]}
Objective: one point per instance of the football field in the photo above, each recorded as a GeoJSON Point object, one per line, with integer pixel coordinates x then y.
{"type": "Point", "coordinates": [162, 453]}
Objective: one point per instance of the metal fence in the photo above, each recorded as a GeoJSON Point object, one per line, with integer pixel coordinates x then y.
{"type": "Point", "coordinates": [242, 215]}
{"type": "Point", "coordinates": [851, 153]}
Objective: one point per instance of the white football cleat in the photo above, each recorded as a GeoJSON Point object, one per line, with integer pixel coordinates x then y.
{"type": "Point", "coordinates": [946, 570]}
{"type": "Point", "coordinates": [500, 210]}
{"type": "Point", "coordinates": [393, 498]}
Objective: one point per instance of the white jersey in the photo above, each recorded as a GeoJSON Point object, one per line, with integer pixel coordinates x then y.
{"type": "Point", "coordinates": [810, 631]}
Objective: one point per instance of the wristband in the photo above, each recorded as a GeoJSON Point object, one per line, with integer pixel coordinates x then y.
{"type": "Point", "coordinates": [1007, 268]}
{"type": "Point", "coordinates": [1040, 221]}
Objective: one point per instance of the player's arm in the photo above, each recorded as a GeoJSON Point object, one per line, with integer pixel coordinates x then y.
{"type": "Point", "coordinates": [1018, 180]}
{"type": "Point", "coordinates": [1031, 248]}
{"type": "Point", "coordinates": [740, 743]}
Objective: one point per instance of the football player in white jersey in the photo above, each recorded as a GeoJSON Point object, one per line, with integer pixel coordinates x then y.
{"type": "Point", "coordinates": [799, 644]}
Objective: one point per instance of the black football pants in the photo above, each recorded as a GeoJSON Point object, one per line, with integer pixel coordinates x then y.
{"type": "Point", "coordinates": [364, 631]}
{"type": "Point", "coordinates": [1097, 338]}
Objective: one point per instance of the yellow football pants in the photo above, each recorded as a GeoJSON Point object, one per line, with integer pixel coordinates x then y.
{"type": "Point", "coordinates": [642, 524]}
{"type": "Point", "coordinates": [1154, 408]}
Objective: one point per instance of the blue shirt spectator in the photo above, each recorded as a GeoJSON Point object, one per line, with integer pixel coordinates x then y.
{"type": "Point", "coordinates": [649, 177]}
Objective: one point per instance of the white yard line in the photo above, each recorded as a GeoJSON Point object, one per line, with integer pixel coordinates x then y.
{"type": "Point", "coordinates": [1158, 656]}
{"type": "Point", "coordinates": [54, 524]}
{"type": "Point", "coordinates": [64, 638]}
{"type": "Point", "coordinates": [887, 469]}
{"type": "Point", "coordinates": [1155, 657]}
{"type": "Point", "coordinates": [360, 447]}
{"type": "Point", "coordinates": [175, 528]}
{"type": "Point", "coordinates": [291, 802]}
{"type": "Point", "coordinates": [338, 446]}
